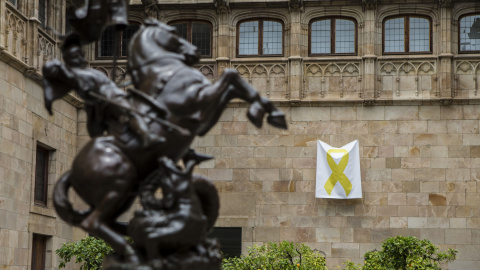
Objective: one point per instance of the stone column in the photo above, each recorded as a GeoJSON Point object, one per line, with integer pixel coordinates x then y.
{"type": "Point", "coordinates": [2, 24]}
{"type": "Point", "coordinates": [367, 29]}
{"type": "Point", "coordinates": [223, 39]}
{"type": "Point", "coordinates": [295, 59]}
{"type": "Point", "coordinates": [445, 55]}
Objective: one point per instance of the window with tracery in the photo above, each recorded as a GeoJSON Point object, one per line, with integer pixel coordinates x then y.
{"type": "Point", "coordinates": [262, 37]}
{"type": "Point", "coordinates": [333, 36]}
{"type": "Point", "coordinates": [407, 34]}
{"type": "Point", "coordinates": [198, 33]}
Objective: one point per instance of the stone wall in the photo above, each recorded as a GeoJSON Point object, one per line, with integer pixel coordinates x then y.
{"type": "Point", "coordinates": [419, 165]}
{"type": "Point", "coordinates": [24, 123]}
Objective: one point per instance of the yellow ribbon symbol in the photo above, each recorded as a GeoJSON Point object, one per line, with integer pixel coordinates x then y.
{"type": "Point", "coordinates": [337, 172]}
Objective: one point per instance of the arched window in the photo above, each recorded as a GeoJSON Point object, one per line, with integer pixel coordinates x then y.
{"type": "Point", "coordinates": [42, 12]}
{"type": "Point", "coordinates": [199, 33]}
{"type": "Point", "coordinates": [469, 33]}
{"type": "Point", "coordinates": [333, 36]}
{"type": "Point", "coordinates": [105, 47]}
{"type": "Point", "coordinates": [407, 34]}
{"type": "Point", "coordinates": [260, 37]}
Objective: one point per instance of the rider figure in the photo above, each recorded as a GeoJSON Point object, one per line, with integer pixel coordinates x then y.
{"type": "Point", "coordinates": [102, 115]}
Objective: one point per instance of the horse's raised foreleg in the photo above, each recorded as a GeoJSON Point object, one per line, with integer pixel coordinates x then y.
{"type": "Point", "coordinates": [230, 85]}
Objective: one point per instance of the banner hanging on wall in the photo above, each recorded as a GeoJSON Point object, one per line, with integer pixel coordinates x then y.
{"type": "Point", "coordinates": [338, 171]}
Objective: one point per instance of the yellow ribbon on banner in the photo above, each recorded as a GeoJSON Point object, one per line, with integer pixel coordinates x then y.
{"type": "Point", "coordinates": [337, 172]}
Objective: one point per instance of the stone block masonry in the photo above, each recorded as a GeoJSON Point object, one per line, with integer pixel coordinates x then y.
{"type": "Point", "coordinates": [419, 167]}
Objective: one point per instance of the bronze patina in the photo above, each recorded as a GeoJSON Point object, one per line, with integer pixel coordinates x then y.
{"type": "Point", "coordinates": [141, 142]}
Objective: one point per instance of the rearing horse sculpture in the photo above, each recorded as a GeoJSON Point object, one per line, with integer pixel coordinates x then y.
{"type": "Point", "coordinates": [176, 103]}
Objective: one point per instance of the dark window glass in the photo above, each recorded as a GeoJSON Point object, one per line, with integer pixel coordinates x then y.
{"type": "Point", "coordinates": [122, 38]}
{"type": "Point", "coordinates": [197, 33]}
{"type": "Point", "coordinates": [39, 248]}
{"type": "Point", "coordinates": [41, 176]}
{"type": "Point", "coordinates": [182, 29]}
{"type": "Point", "coordinates": [470, 33]}
{"type": "Point", "coordinates": [230, 239]}
{"type": "Point", "coordinates": [106, 43]}
{"type": "Point", "coordinates": [201, 37]}
{"type": "Point", "coordinates": [127, 34]}
{"type": "Point", "coordinates": [407, 34]}
{"type": "Point", "coordinates": [42, 12]}
{"type": "Point", "coordinates": [332, 36]}
{"type": "Point", "coordinates": [68, 27]}
{"type": "Point", "coordinates": [14, 2]}
{"type": "Point", "coordinates": [268, 33]}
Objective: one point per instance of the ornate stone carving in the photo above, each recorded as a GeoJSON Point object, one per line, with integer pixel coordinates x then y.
{"type": "Point", "coordinates": [412, 73]}
{"type": "Point", "coordinates": [15, 32]}
{"type": "Point", "coordinates": [445, 3]}
{"type": "Point", "coordinates": [270, 76]}
{"type": "Point", "coordinates": [295, 5]}
{"type": "Point", "coordinates": [151, 8]}
{"type": "Point", "coordinates": [466, 76]}
{"type": "Point", "coordinates": [322, 78]}
{"type": "Point", "coordinates": [369, 4]}
{"type": "Point", "coordinates": [222, 6]}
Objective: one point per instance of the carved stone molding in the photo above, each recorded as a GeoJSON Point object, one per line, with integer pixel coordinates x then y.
{"type": "Point", "coordinates": [324, 78]}
{"type": "Point", "coordinates": [269, 78]}
{"type": "Point", "coordinates": [369, 4]}
{"type": "Point", "coordinates": [151, 8]}
{"type": "Point", "coordinates": [223, 6]}
{"type": "Point", "coordinates": [404, 71]}
{"type": "Point", "coordinates": [445, 3]}
{"type": "Point", "coordinates": [369, 102]}
{"type": "Point", "coordinates": [295, 5]}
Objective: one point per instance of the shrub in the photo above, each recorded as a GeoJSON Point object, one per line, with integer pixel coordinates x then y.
{"type": "Point", "coordinates": [89, 251]}
{"type": "Point", "coordinates": [274, 256]}
{"type": "Point", "coordinates": [407, 252]}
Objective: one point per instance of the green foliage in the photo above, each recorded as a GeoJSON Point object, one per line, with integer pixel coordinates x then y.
{"type": "Point", "coordinates": [349, 265]}
{"type": "Point", "coordinates": [89, 251]}
{"type": "Point", "coordinates": [274, 256]}
{"type": "Point", "coordinates": [407, 253]}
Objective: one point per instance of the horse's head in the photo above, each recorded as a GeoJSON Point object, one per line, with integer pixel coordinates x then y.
{"type": "Point", "coordinates": [171, 42]}
{"type": "Point", "coordinates": [157, 44]}
{"type": "Point", "coordinates": [190, 51]}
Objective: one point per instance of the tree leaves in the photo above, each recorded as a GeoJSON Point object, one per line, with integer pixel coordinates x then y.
{"type": "Point", "coordinates": [274, 256]}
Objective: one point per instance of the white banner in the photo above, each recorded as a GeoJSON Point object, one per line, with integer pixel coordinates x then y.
{"type": "Point", "coordinates": [338, 171]}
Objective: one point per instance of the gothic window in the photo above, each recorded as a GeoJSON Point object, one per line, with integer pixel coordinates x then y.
{"type": "Point", "coordinates": [333, 36]}
{"type": "Point", "coordinates": [407, 34]}
{"type": "Point", "coordinates": [469, 33]}
{"type": "Point", "coordinates": [13, 2]}
{"type": "Point", "coordinates": [260, 37]}
{"type": "Point", "coordinates": [41, 176]}
{"type": "Point", "coordinates": [42, 12]}
{"type": "Point", "coordinates": [198, 33]}
{"type": "Point", "coordinates": [106, 48]}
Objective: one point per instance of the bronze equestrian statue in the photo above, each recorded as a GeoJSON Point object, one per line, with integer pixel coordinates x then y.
{"type": "Point", "coordinates": [138, 139]}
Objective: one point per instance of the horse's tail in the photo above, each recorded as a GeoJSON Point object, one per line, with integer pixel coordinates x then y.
{"type": "Point", "coordinates": [62, 204]}
{"type": "Point", "coordinates": [208, 196]}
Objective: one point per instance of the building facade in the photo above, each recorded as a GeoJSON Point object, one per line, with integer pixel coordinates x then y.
{"type": "Point", "coordinates": [399, 76]}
